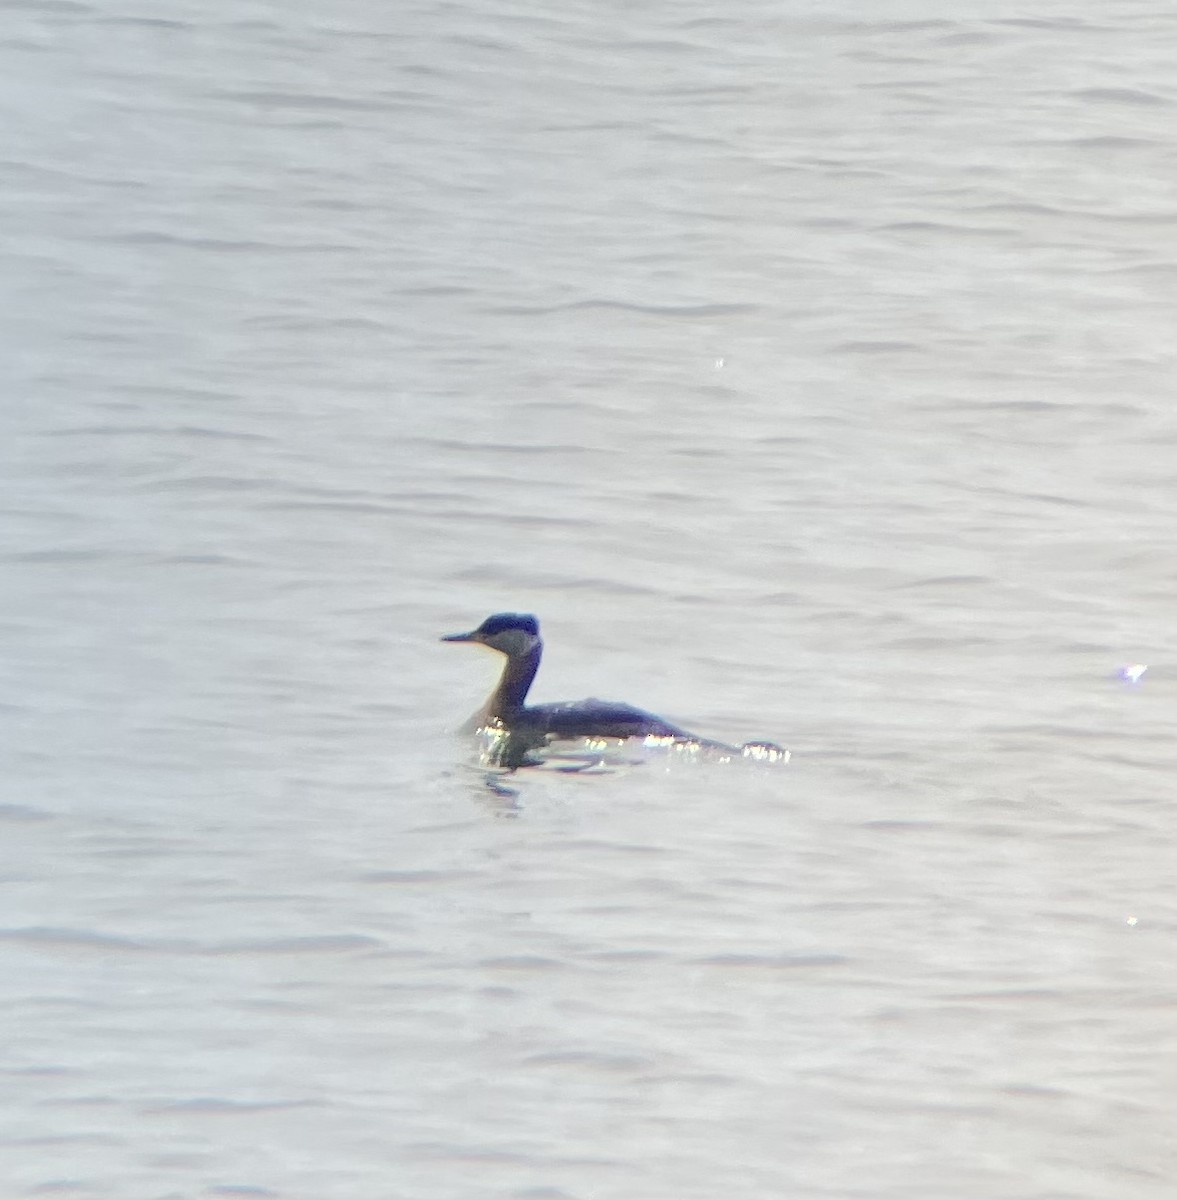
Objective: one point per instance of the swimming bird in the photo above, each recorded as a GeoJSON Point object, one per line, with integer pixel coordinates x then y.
{"type": "Point", "coordinates": [526, 728]}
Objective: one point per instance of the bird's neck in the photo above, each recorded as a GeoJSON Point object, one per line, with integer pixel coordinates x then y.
{"type": "Point", "coordinates": [506, 701]}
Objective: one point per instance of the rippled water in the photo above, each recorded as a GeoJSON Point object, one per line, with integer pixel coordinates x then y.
{"type": "Point", "coordinates": [810, 373]}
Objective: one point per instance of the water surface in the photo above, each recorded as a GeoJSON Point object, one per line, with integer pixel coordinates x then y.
{"type": "Point", "coordinates": [810, 374]}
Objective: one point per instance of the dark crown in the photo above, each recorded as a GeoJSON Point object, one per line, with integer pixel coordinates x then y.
{"type": "Point", "coordinates": [501, 622]}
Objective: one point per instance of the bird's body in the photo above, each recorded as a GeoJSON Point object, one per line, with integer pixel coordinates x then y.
{"type": "Point", "coordinates": [525, 728]}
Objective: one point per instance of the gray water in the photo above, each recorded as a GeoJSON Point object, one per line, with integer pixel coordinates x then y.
{"type": "Point", "coordinates": [810, 372]}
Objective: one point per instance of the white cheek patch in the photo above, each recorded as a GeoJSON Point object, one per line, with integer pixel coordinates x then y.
{"type": "Point", "coordinates": [514, 642]}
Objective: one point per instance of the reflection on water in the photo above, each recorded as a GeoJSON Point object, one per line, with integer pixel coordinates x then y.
{"type": "Point", "coordinates": [596, 754]}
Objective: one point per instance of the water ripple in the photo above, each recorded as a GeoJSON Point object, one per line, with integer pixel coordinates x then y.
{"type": "Point", "coordinates": [656, 310]}
{"type": "Point", "coordinates": [773, 962]}
{"type": "Point", "coordinates": [55, 938]}
{"type": "Point", "coordinates": [1120, 96]}
{"type": "Point", "coordinates": [217, 1106]}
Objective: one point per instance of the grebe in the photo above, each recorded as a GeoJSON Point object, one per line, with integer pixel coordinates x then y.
{"type": "Point", "coordinates": [529, 727]}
